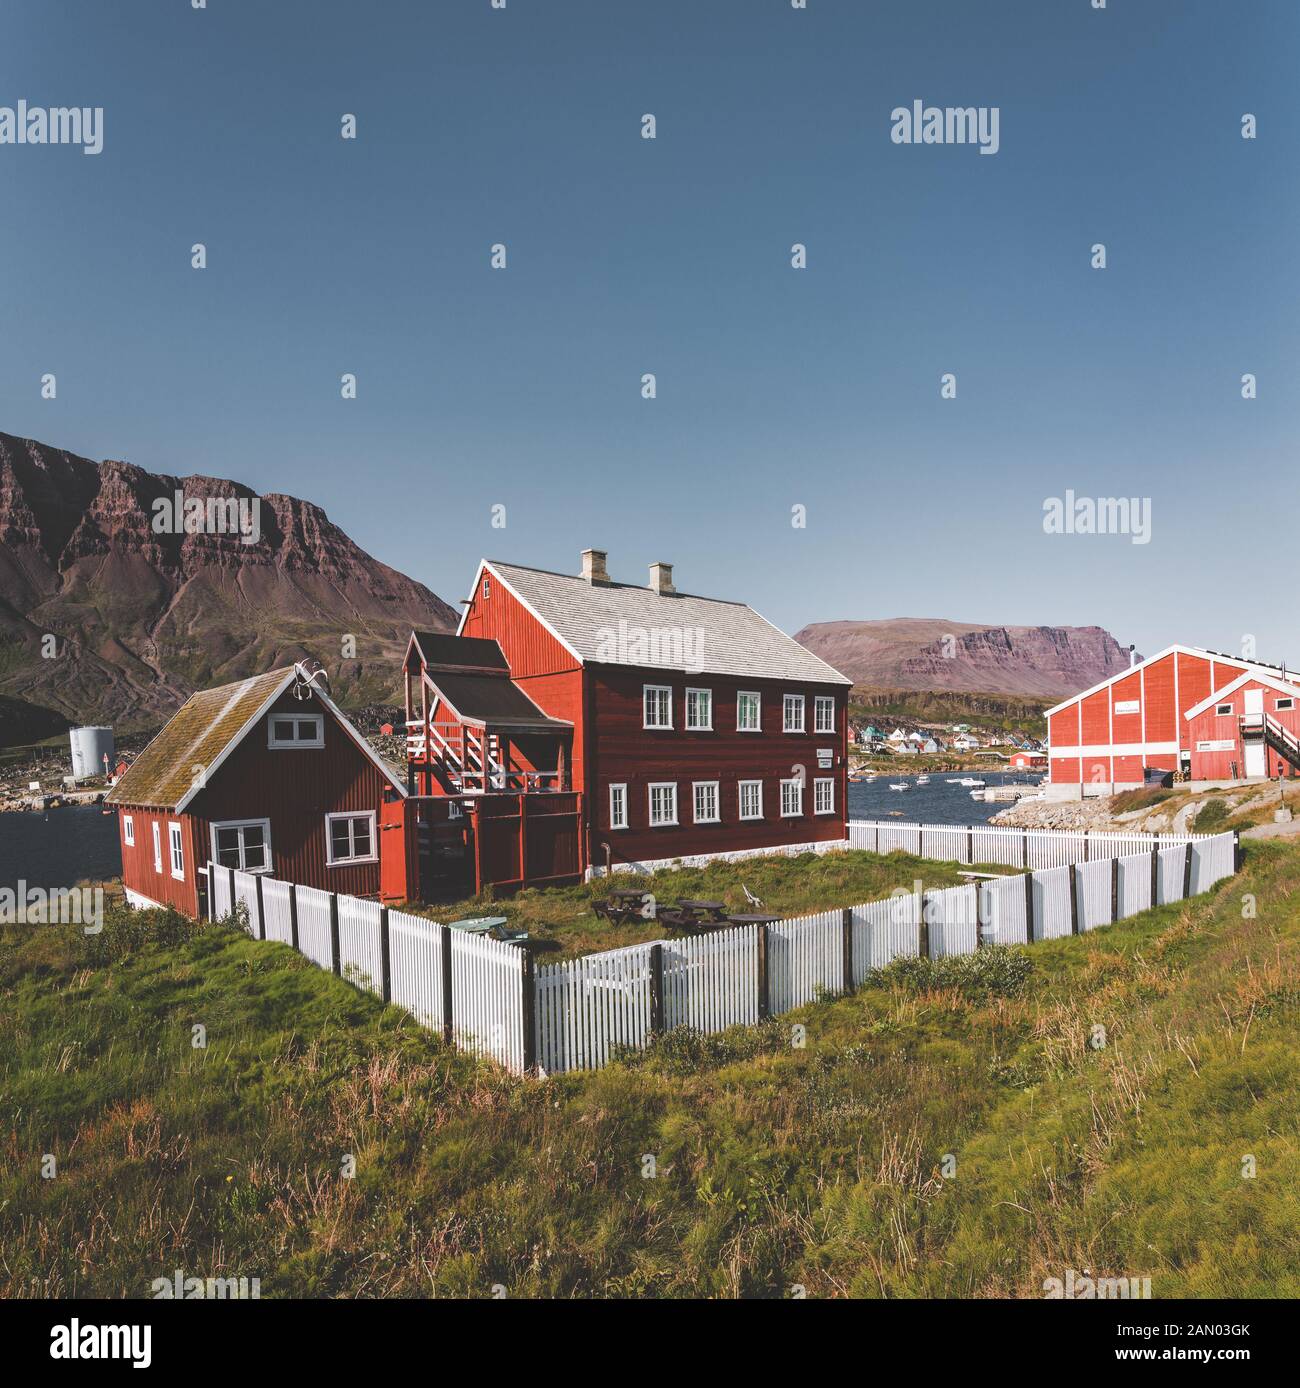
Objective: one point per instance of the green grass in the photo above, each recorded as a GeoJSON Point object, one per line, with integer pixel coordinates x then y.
{"type": "Point", "coordinates": [561, 923]}
{"type": "Point", "coordinates": [779, 1159]}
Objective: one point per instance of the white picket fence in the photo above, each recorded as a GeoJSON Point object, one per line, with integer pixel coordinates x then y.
{"type": "Point", "coordinates": [996, 845]}
{"type": "Point", "coordinates": [487, 998]}
{"type": "Point", "coordinates": [586, 1006]}
{"type": "Point", "coordinates": [466, 986]}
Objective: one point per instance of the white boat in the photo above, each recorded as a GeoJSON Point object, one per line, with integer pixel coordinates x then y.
{"type": "Point", "coordinates": [898, 785]}
{"type": "Point", "coordinates": [922, 780]}
{"type": "Point", "coordinates": [970, 781]}
{"type": "Point", "coordinates": [955, 781]}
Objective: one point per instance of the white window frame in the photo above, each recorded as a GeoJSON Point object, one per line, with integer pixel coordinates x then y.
{"type": "Point", "coordinates": [820, 702]}
{"type": "Point", "coordinates": [128, 830]}
{"type": "Point", "coordinates": [487, 587]}
{"type": "Point", "coordinates": [741, 794]}
{"type": "Point", "coordinates": [175, 849]}
{"type": "Point", "coordinates": [330, 859]}
{"type": "Point", "coordinates": [797, 784]}
{"type": "Point", "coordinates": [618, 805]}
{"type": "Point", "coordinates": [1283, 703]}
{"type": "Point", "coordinates": [785, 713]}
{"type": "Point", "coordinates": [295, 743]}
{"type": "Point", "coordinates": [716, 816]}
{"type": "Point", "coordinates": [826, 783]}
{"type": "Point", "coordinates": [699, 727]}
{"type": "Point", "coordinates": [1223, 710]}
{"type": "Point", "coordinates": [742, 694]}
{"type": "Point", "coordinates": [243, 824]}
{"type": "Point", "coordinates": [650, 803]}
{"type": "Point", "coordinates": [157, 847]}
{"type": "Point", "coordinates": [647, 689]}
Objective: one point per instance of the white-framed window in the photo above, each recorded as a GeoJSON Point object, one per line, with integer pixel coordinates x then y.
{"type": "Point", "coordinates": [128, 830]}
{"type": "Point", "coordinates": [618, 806]}
{"type": "Point", "coordinates": [658, 706]}
{"type": "Point", "coordinates": [749, 712]}
{"type": "Point", "coordinates": [487, 586]}
{"type": "Point", "coordinates": [663, 802]}
{"type": "Point", "coordinates": [350, 838]}
{"type": "Point", "coordinates": [296, 730]}
{"type": "Point", "coordinates": [699, 710]}
{"type": "Point", "coordinates": [751, 799]}
{"type": "Point", "coordinates": [1223, 709]}
{"type": "Point", "coordinates": [792, 798]}
{"type": "Point", "coordinates": [706, 802]}
{"type": "Point", "coordinates": [455, 810]}
{"type": "Point", "coordinates": [824, 795]}
{"type": "Point", "coordinates": [1281, 704]}
{"type": "Point", "coordinates": [243, 844]}
{"type": "Point", "coordinates": [824, 713]}
{"type": "Point", "coordinates": [157, 846]}
{"type": "Point", "coordinates": [177, 847]}
{"type": "Point", "coordinates": [792, 713]}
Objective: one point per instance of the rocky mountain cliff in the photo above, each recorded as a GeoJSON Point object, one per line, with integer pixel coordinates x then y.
{"type": "Point", "coordinates": [140, 616]}
{"type": "Point", "coordinates": [933, 654]}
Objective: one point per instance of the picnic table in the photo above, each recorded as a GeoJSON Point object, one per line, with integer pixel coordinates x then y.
{"type": "Point", "coordinates": [622, 904]}
{"type": "Point", "coordinates": [753, 918]}
{"type": "Point", "coordinates": [690, 914]}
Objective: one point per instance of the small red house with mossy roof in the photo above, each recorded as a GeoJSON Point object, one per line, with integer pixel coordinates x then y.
{"type": "Point", "coordinates": [263, 775]}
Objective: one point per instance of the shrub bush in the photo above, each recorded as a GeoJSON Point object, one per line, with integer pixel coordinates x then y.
{"type": "Point", "coordinates": [997, 971]}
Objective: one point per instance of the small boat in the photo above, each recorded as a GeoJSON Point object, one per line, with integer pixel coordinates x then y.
{"type": "Point", "coordinates": [970, 781]}
{"type": "Point", "coordinates": [955, 781]}
{"type": "Point", "coordinates": [898, 785]}
{"type": "Point", "coordinates": [977, 795]}
{"type": "Point", "coordinates": [922, 780]}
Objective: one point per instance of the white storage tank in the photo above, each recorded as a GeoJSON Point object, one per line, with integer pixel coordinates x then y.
{"type": "Point", "coordinates": [89, 748]}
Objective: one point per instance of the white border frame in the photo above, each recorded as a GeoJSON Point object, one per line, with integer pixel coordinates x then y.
{"type": "Point", "coordinates": [803, 714]}
{"type": "Point", "coordinates": [613, 786]}
{"type": "Point", "coordinates": [650, 805]}
{"type": "Point", "coordinates": [791, 781]}
{"type": "Point", "coordinates": [756, 694]}
{"type": "Point", "coordinates": [824, 781]}
{"type": "Point", "coordinates": [657, 727]}
{"type": "Point", "coordinates": [686, 710]}
{"type": "Point", "coordinates": [175, 844]}
{"type": "Point", "coordinates": [128, 830]}
{"type": "Point", "coordinates": [330, 859]}
{"type": "Point", "coordinates": [818, 700]}
{"type": "Point", "coordinates": [740, 801]}
{"type": "Point", "coordinates": [240, 824]}
{"type": "Point", "coordinates": [717, 802]}
{"type": "Point", "coordinates": [296, 744]}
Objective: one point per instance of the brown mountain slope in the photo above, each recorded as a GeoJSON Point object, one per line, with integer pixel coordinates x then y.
{"type": "Point", "coordinates": [929, 653]}
{"type": "Point", "coordinates": [141, 619]}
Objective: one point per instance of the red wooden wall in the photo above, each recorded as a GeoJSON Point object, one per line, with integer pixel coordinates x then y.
{"type": "Point", "coordinates": [1211, 726]}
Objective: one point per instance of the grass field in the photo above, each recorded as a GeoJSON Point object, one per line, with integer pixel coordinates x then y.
{"type": "Point", "coordinates": [561, 923]}
{"type": "Point", "coordinates": [959, 1133]}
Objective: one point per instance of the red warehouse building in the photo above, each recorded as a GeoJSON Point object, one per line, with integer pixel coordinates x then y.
{"type": "Point", "coordinates": [576, 724]}
{"type": "Point", "coordinates": [264, 775]}
{"type": "Point", "coordinates": [1108, 736]}
{"type": "Point", "coordinates": [1249, 728]}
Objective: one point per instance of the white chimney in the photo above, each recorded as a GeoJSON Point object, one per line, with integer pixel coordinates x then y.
{"type": "Point", "coordinates": [1132, 656]}
{"type": "Point", "coordinates": [593, 566]}
{"type": "Point", "coordinates": [661, 578]}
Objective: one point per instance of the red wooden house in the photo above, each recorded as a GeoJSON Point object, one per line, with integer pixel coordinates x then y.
{"type": "Point", "coordinates": [577, 725]}
{"type": "Point", "coordinates": [1109, 735]}
{"type": "Point", "coordinates": [1248, 728]}
{"type": "Point", "coordinates": [264, 775]}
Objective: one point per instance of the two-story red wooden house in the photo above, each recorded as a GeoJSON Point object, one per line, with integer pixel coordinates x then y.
{"type": "Point", "coordinates": [263, 775]}
{"type": "Point", "coordinates": [628, 726]}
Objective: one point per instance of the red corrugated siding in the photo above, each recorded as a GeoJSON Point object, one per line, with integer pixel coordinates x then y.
{"type": "Point", "coordinates": [137, 861]}
{"type": "Point", "coordinates": [1210, 726]}
{"type": "Point", "coordinates": [295, 789]}
{"type": "Point", "coordinates": [1161, 722]}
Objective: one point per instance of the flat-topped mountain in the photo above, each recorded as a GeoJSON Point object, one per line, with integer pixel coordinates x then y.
{"type": "Point", "coordinates": [932, 653]}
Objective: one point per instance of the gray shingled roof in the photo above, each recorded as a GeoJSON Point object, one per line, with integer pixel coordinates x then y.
{"type": "Point", "coordinates": [666, 631]}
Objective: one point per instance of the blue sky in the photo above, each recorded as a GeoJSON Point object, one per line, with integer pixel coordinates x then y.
{"type": "Point", "coordinates": [776, 387]}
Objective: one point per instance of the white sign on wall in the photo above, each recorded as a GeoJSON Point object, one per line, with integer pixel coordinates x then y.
{"type": "Point", "coordinates": [1224, 744]}
{"type": "Point", "coordinates": [825, 758]}
{"type": "Point", "coordinates": [1127, 705]}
